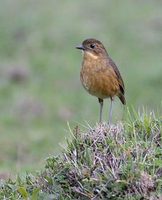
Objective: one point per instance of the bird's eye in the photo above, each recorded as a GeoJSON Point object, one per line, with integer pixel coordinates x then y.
{"type": "Point", "coordinates": [92, 46]}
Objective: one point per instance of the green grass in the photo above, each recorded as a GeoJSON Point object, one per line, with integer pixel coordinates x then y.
{"type": "Point", "coordinates": [37, 40]}
{"type": "Point", "coordinates": [120, 161]}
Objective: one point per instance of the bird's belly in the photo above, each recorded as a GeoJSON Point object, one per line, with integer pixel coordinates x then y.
{"type": "Point", "coordinates": [101, 85]}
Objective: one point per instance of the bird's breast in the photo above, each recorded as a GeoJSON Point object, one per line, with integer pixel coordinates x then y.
{"type": "Point", "coordinates": [98, 79]}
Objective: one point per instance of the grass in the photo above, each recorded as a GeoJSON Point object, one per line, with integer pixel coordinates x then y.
{"type": "Point", "coordinates": [39, 70]}
{"type": "Point", "coordinates": [120, 161]}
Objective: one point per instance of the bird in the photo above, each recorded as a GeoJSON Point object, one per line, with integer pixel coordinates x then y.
{"type": "Point", "coordinates": [99, 74]}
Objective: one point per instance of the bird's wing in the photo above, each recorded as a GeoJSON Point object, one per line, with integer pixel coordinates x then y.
{"type": "Point", "coordinates": [121, 83]}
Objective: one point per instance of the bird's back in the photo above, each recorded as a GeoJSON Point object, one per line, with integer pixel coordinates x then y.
{"type": "Point", "coordinates": [120, 81]}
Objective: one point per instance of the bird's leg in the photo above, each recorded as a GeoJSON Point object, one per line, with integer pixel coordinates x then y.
{"type": "Point", "coordinates": [101, 108]}
{"type": "Point", "coordinates": [110, 111]}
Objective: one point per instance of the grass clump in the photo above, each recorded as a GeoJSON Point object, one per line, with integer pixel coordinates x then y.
{"type": "Point", "coordinates": [120, 161]}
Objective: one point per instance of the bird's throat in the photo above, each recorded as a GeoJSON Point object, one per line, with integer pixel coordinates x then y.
{"type": "Point", "coordinates": [89, 56]}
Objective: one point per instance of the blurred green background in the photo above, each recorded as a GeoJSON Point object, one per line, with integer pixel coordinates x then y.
{"type": "Point", "coordinates": [40, 88]}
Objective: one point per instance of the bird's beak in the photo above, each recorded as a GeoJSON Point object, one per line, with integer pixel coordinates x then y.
{"type": "Point", "coordinates": [80, 47]}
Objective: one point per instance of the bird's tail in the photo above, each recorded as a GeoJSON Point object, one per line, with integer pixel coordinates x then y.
{"type": "Point", "coordinates": [122, 98]}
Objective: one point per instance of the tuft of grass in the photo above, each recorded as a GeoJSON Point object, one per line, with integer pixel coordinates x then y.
{"type": "Point", "coordinates": [120, 161]}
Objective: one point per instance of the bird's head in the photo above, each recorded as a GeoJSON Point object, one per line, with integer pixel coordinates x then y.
{"type": "Point", "coordinates": [93, 48]}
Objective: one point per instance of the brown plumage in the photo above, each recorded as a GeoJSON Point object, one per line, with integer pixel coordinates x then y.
{"type": "Point", "coordinates": [99, 74]}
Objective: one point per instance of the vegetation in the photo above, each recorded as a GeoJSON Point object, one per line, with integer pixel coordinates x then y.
{"type": "Point", "coordinates": [40, 91]}
{"type": "Point", "coordinates": [39, 70]}
{"type": "Point", "coordinates": [120, 161]}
